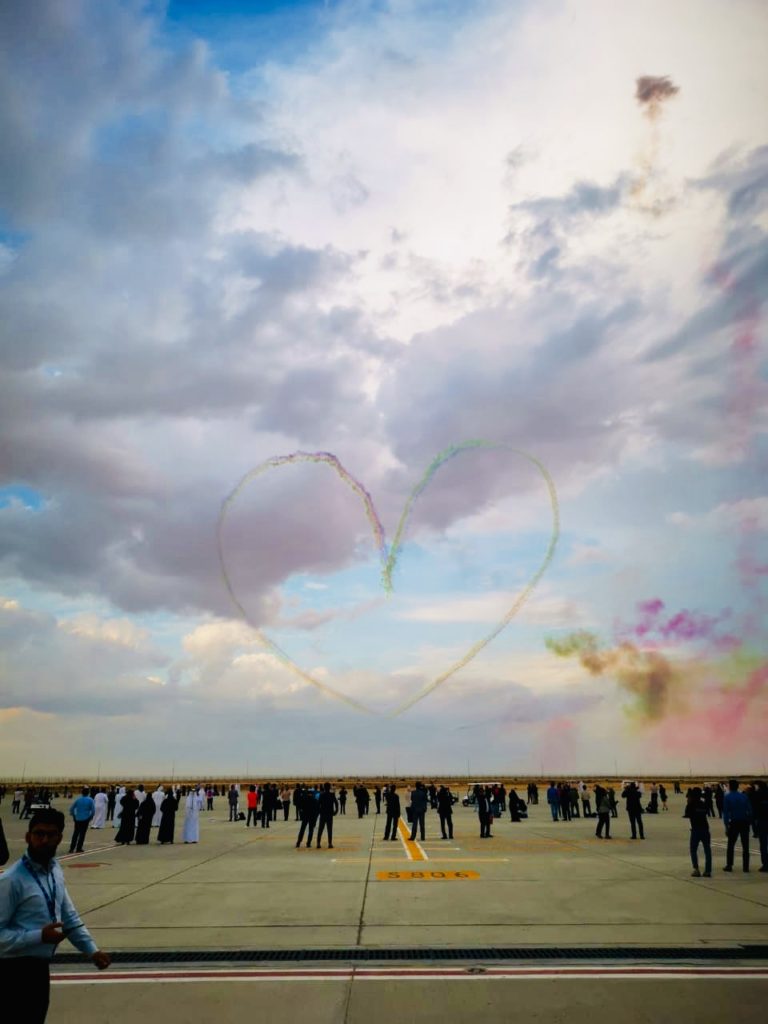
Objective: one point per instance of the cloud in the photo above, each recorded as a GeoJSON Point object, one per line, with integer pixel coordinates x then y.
{"type": "Point", "coordinates": [728, 515]}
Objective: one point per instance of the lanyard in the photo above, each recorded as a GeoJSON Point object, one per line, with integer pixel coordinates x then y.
{"type": "Point", "coordinates": [49, 893]}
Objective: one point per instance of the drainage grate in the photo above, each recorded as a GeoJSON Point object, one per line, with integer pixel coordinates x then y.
{"type": "Point", "coordinates": [357, 955]}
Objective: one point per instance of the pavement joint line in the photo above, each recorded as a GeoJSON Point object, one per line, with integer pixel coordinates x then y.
{"type": "Point", "coordinates": [173, 874]}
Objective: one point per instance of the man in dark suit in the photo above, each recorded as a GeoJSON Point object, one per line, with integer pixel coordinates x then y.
{"type": "Point", "coordinates": [328, 806]}
{"type": "Point", "coordinates": [634, 799]}
{"type": "Point", "coordinates": [418, 810]}
{"type": "Point", "coordinates": [309, 811]}
{"type": "Point", "coordinates": [445, 810]}
{"type": "Point", "coordinates": [392, 804]}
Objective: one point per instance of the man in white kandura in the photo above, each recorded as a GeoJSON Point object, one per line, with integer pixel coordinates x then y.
{"type": "Point", "coordinates": [118, 807]}
{"type": "Point", "coordinates": [192, 807]}
{"type": "Point", "coordinates": [100, 816]}
{"type": "Point", "coordinates": [158, 796]}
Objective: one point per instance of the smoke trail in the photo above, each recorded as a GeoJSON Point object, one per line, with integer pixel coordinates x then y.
{"type": "Point", "coordinates": [476, 648]}
{"type": "Point", "coordinates": [647, 675]}
{"type": "Point", "coordinates": [654, 628]}
{"type": "Point", "coordinates": [276, 461]}
{"type": "Point", "coordinates": [652, 92]}
{"type": "Point", "coordinates": [387, 555]}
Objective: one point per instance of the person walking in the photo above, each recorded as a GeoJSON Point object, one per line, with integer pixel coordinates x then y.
{"type": "Point", "coordinates": [445, 811]}
{"type": "Point", "coordinates": [418, 810]}
{"type": "Point", "coordinates": [392, 807]}
{"type": "Point", "coordinates": [696, 813]}
{"type": "Point", "coordinates": [634, 802]}
{"type": "Point", "coordinates": [81, 812]}
{"type": "Point", "coordinates": [737, 815]}
{"type": "Point", "coordinates": [36, 914]}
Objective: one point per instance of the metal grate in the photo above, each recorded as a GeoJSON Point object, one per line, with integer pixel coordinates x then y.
{"type": "Point", "coordinates": [358, 955]}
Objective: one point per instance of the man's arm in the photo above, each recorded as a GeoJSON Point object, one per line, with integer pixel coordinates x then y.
{"type": "Point", "coordinates": [14, 939]}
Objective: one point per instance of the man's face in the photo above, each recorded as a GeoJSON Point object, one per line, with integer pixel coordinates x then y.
{"type": "Point", "coordinates": [42, 841]}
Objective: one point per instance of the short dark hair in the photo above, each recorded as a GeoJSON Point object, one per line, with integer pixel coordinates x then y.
{"type": "Point", "coordinates": [47, 816]}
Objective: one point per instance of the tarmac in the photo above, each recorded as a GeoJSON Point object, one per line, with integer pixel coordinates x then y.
{"type": "Point", "coordinates": [543, 921]}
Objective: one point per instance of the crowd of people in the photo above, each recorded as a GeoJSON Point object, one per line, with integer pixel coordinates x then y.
{"type": "Point", "coordinates": [133, 812]}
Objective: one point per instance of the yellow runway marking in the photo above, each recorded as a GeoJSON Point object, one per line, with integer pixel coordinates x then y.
{"type": "Point", "coordinates": [414, 850]}
{"type": "Point", "coordinates": [425, 876]}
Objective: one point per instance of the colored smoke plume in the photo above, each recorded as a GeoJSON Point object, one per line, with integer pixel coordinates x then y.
{"type": "Point", "coordinates": [645, 674]}
{"type": "Point", "coordinates": [653, 90]}
{"type": "Point", "coordinates": [653, 628]}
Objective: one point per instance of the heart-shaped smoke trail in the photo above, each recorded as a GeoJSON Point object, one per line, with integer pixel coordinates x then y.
{"type": "Point", "coordinates": [389, 555]}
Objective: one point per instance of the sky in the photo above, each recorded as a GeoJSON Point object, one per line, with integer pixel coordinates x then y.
{"type": "Point", "coordinates": [268, 274]}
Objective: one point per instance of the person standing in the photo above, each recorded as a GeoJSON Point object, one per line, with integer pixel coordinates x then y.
{"type": "Point", "coordinates": [81, 812]}
{"type": "Point", "coordinates": [445, 811]}
{"type": "Point", "coordinates": [377, 798]}
{"type": "Point", "coordinates": [36, 914]}
{"type": "Point", "coordinates": [285, 800]}
{"type": "Point", "coordinates": [266, 805]}
{"type": "Point", "coordinates": [118, 813]}
{"type": "Point", "coordinates": [18, 796]}
{"type": "Point", "coordinates": [144, 816]}
{"type": "Point", "coordinates": [168, 807]}
{"type": "Point", "coordinates": [761, 820]}
{"type": "Point", "coordinates": [209, 797]}
{"type": "Point", "coordinates": [253, 801]}
{"type": "Point", "coordinates": [100, 803]}
{"type": "Point", "coordinates": [328, 806]}
{"type": "Point", "coordinates": [158, 796]}
{"type": "Point", "coordinates": [586, 806]}
{"type": "Point", "coordinates": [737, 815]}
{"type": "Point", "coordinates": [343, 800]}
{"type": "Point", "coordinates": [232, 801]}
{"type": "Point", "coordinates": [553, 799]}
{"type": "Point", "coordinates": [192, 807]}
{"type": "Point", "coordinates": [663, 796]}
{"type": "Point", "coordinates": [309, 812]}
{"type": "Point", "coordinates": [634, 801]}
{"type": "Point", "coordinates": [392, 807]}
{"type": "Point", "coordinates": [696, 813]}
{"type": "Point", "coordinates": [297, 801]}
{"type": "Point", "coordinates": [603, 806]}
{"type": "Point", "coordinates": [418, 810]}
{"type": "Point", "coordinates": [483, 799]}
{"type": "Point", "coordinates": [127, 817]}
{"type": "Point", "coordinates": [111, 799]}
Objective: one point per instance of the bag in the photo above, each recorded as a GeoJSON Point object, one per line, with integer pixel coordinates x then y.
{"type": "Point", "coordinates": [409, 814]}
{"type": "Point", "coordinates": [240, 816]}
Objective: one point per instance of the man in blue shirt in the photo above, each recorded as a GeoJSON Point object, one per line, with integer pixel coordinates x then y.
{"type": "Point", "coordinates": [737, 814]}
{"type": "Point", "coordinates": [36, 914]}
{"type": "Point", "coordinates": [81, 812]}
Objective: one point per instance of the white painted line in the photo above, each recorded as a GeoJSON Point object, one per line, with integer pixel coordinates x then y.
{"type": "Point", "coordinates": [637, 973]}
